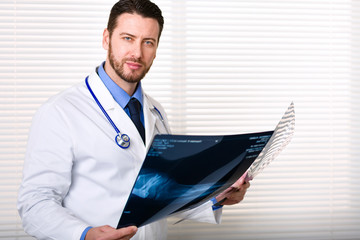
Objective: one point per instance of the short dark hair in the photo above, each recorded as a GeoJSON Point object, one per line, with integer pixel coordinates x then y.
{"type": "Point", "coordinates": [144, 8]}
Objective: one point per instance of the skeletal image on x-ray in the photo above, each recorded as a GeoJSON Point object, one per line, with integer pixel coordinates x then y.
{"type": "Point", "coordinates": [181, 172]}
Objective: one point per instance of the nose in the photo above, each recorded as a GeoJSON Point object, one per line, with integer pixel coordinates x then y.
{"type": "Point", "coordinates": [137, 51]}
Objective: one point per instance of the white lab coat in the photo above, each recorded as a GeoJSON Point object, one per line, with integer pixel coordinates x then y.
{"type": "Point", "coordinates": [76, 176]}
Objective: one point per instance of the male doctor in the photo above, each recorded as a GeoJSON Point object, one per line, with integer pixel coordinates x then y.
{"type": "Point", "coordinates": [77, 177]}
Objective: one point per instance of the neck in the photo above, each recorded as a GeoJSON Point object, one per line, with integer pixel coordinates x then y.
{"type": "Point", "coordinates": [128, 87]}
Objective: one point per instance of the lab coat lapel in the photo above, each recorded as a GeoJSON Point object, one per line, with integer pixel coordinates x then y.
{"type": "Point", "coordinates": [101, 92]}
{"type": "Point", "coordinates": [137, 149]}
{"type": "Point", "coordinates": [150, 121]}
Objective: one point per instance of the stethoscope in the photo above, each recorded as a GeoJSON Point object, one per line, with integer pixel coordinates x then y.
{"type": "Point", "coordinates": [122, 139]}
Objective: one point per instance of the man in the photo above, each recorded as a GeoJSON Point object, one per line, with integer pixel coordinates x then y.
{"type": "Point", "coordinates": [77, 178]}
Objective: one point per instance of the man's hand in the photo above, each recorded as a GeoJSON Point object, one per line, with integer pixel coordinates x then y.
{"type": "Point", "coordinates": [110, 233]}
{"type": "Point", "coordinates": [235, 193]}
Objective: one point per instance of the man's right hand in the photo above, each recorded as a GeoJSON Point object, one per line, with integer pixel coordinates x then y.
{"type": "Point", "coordinates": [110, 233]}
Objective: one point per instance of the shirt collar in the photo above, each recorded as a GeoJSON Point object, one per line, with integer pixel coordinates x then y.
{"type": "Point", "coordinates": [120, 96]}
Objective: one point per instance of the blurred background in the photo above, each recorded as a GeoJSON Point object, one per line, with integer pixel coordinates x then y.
{"type": "Point", "coordinates": [222, 67]}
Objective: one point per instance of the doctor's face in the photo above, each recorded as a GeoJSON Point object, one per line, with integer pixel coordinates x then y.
{"type": "Point", "coordinates": [131, 47]}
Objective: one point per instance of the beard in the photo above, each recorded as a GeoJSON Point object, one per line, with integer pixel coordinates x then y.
{"type": "Point", "coordinates": [132, 76]}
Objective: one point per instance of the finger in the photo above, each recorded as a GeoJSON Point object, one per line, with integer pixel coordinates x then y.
{"type": "Point", "coordinates": [235, 198]}
{"type": "Point", "coordinates": [223, 195]}
{"type": "Point", "coordinates": [125, 233]}
{"type": "Point", "coordinates": [106, 228]}
{"type": "Point", "coordinates": [239, 182]}
{"type": "Point", "coordinates": [121, 234]}
{"type": "Point", "coordinates": [246, 185]}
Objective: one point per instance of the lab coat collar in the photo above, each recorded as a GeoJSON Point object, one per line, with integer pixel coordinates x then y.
{"type": "Point", "coordinates": [99, 89]}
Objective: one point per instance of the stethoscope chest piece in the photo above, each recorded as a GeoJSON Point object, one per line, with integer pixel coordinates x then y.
{"type": "Point", "coordinates": [123, 140]}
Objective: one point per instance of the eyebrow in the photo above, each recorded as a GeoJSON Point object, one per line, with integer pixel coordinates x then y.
{"type": "Point", "coordinates": [133, 36]}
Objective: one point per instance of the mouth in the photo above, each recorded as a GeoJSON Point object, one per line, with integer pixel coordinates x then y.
{"type": "Point", "coordinates": [134, 65]}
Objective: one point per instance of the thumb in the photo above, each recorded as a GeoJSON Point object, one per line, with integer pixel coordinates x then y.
{"type": "Point", "coordinates": [240, 181]}
{"type": "Point", "coordinates": [127, 232]}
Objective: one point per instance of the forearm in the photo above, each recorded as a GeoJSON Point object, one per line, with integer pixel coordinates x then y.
{"type": "Point", "coordinates": [48, 220]}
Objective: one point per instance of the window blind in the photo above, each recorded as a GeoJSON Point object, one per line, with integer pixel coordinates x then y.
{"type": "Point", "coordinates": [221, 68]}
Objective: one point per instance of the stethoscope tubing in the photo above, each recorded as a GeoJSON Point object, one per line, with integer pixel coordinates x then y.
{"type": "Point", "coordinates": [121, 139]}
{"type": "Point", "coordinates": [158, 113]}
{"type": "Point", "coordinates": [101, 107]}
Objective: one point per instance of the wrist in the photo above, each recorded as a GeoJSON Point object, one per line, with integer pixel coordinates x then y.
{"type": "Point", "coordinates": [83, 235]}
{"type": "Point", "coordinates": [216, 204]}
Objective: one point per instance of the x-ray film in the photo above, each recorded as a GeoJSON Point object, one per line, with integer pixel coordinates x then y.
{"type": "Point", "coordinates": [181, 172]}
{"type": "Point", "coordinates": [278, 141]}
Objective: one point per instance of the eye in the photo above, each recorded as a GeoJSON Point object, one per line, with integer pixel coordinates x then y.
{"type": "Point", "coordinates": [149, 43]}
{"type": "Point", "coordinates": [127, 38]}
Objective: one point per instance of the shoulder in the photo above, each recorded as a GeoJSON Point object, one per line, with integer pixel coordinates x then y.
{"type": "Point", "coordinates": [152, 101]}
{"type": "Point", "coordinates": [155, 104]}
{"type": "Point", "coordinates": [70, 96]}
{"type": "Point", "coordinates": [63, 103]}
{"type": "Point", "coordinates": [75, 95]}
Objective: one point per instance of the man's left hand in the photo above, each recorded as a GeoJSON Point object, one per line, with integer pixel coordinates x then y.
{"type": "Point", "coordinates": [235, 193]}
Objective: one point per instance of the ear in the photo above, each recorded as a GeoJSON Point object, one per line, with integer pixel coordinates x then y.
{"type": "Point", "coordinates": [106, 39]}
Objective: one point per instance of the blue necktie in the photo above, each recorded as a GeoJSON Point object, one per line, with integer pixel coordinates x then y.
{"type": "Point", "coordinates": [134, 107]}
